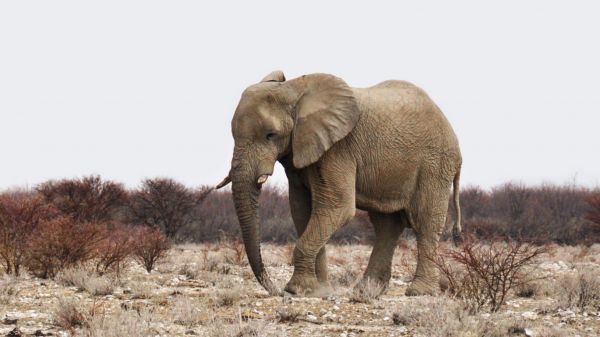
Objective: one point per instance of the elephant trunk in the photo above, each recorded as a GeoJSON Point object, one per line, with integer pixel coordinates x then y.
{"type": "Point", "coordinates": [246, 191]}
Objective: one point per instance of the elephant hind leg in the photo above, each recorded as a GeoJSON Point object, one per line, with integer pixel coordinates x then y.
{"type": "Point", "coordinates": [388, 228]}
{"type": "Point", "coordinates": [428, 219]}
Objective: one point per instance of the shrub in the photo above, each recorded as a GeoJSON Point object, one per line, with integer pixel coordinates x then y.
{"type": "Point", "coordinates": [581, 291]}
{"type": "Point", "coordinates": [366, 291]}
{"type": "Point", "coordinates": [185, 312]}
{"type": "Point", "coordinates": [166, 204]}
{"type": "Point", "coordinates": [88, 199]}
{"type": "Point", "coordinates": [228, 297]}
{"type": "Point", "coordinates": [115, 249]}
{"type": "Point", "coordinates": [85, 281]}
{"type": "Point", "coordinates": [150, 246]}
{"type": "Point", "coordinates": [20, 214]}
{"type": "Point", "coordinates": [486, 273]}
{"type": "Point", "coordinates": [67, 315]}
{"type": "Point", "coordinates": [61, 243]}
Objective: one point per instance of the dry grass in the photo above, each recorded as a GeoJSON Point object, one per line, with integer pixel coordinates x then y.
{"type": "Point", "coordinates": [366, 291]}
{"type": "Point", "coordinates": [86, 281]}
{"type": "Point", "coordinates": [8, 289]}
{"type": "Point", "coordinates": [187, 299]}
{"type": "Point", "coordinates": [186, 312]}
{"type": "Point", "coordinates": [122, 323]}
{"type": "Point", "coordinates": [228, 297]}
{"type": "Point", "coordinates": [580, 291]}
{"type": "Point", "coordinates": [68, 315]}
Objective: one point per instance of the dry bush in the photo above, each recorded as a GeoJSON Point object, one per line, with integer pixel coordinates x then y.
{"type": "Point", "coordinates": [185, 312]}
{"type": "Point", "coordinates": [84, 280]}
{"type": "Point", "coordinates": [8, 289]}
{"type": "Point", "coordinates": [141, 290]}
{"type": "Point", "coordinates": [61, 243]}
{"type": "Point", "coordinates": [228, 297]}
{"type": "Point", "coordinates": [539, 288]}
{"type": "Point", "coordinates": [189, 270]}
{"type": "Point", "coordinates": [347, 276]}
{"type": "Point", "coordinates": [20, 215]}
{"type": "Point", "coordinates": [484, 274]}
{"type": "Point", "coordinates": [130, 323]}
{"type": "Point", "coordinates": [366, 291]}
{"type": "Point", "coordinates": [581, 291]}
{"type": "Point", "coordinates": [89, 199]}
{"type": "Point", "coordinates": [68, 315]}
{"type": "Point", "coordinates": [251, 328]}
{"type": "Point", "coordinates": [437, 317]}
{"type": "Point", "coordinates": [150, 246]}
{"type": "Point", "coordinates": [288, 315]}
{"type": "Point", "coordinates": [113, 252]}
{"type": "Point", "coordinates": [235, 252]}
{"type": "Point", "coordinates": [166, 204]}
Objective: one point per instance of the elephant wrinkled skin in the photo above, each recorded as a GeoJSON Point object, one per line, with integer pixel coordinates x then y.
{"type": "Point", "coordinates": [386, 149]}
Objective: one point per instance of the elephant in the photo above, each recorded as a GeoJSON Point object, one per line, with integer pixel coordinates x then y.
{"type": "Point", "coordinates": [386, 149]}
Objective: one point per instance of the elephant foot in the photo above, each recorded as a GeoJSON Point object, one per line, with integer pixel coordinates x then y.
{"type": "Point", "coordinates": [307, 286]}
{"type": "Point", "coordinates": [420, 287]}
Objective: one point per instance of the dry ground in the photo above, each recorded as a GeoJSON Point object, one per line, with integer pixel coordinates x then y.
{"type": "Point", "coordinates": [208, 290]}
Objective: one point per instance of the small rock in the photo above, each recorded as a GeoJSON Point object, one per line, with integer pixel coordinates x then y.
{"type": "Point", "coordinates": [311, 318]}
{"type": "Point", "coordinates": [191, 332]}
{"type": "Point", "coordinates": [10, 320]}
{"type": "Point", "coordinates": [15, 333]}
{"type": "Point", "coordinates": [40, 333]}
{"type": "Point", "coordinates": [528, 332]}
{"type": "Point", "coordinates": [258, 303]}
{"type": "Point", "coordinates": [335, 307]}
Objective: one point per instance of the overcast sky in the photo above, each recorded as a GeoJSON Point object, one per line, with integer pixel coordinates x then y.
{"type": "Point", "coordinates": [136, 89]}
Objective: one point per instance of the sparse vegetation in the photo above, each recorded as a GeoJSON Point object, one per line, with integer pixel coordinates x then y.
{"type": "Point", "coordinates": [150, 246]}
{"type": "Point", "coordinates": [483, 274]}
{"type": "Point", "coordinates": [580, 291]}
{"type": "Point", "coordinates": [209, 290]}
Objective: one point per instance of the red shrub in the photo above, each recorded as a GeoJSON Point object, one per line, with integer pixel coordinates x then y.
{"type": "Point", "coordinates": [87, 200]}
{"type": "Point", "coordinates": [20, 214]}
{"type": "Point", "coordinates": [594, 213]}
{"type": "Point", "coordinates": [484, 273]}
{"type": "Point", "coordinates": [166, 204]}
{"type": "Point", "coordinates": [60, 243]}
{"type": "Point", "coordinates": [113, 252]}
{"type": "Point", "coordinates": [150, 246]}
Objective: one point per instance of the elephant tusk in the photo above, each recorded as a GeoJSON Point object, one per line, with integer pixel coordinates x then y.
{"type": "Point", "coordinates": [263, 179]}
{"type": "Point", "coordinates": [225, 181]}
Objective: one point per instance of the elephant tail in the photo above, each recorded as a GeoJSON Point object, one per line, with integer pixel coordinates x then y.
{"type": "Point", "coordinates": [457, 229]}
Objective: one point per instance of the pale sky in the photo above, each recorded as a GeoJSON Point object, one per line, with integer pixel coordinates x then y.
{"type": "Point", "coordinates": [136, 89]}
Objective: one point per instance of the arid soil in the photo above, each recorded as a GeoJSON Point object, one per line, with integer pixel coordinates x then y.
{"type": "Point", "coordinates": [208, 290]}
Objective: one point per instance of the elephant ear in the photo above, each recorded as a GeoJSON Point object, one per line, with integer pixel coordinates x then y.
{"type": "Point", "coordinates": [325, 113]}
{"type": "Point", "coordinates": [275, 76]}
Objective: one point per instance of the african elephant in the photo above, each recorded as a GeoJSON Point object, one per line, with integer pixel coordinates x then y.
{"type": "Point", "coordinates": [386, 149]}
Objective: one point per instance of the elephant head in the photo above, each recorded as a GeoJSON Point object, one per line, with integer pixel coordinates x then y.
{"type": "Point", "coordinates": [301, 119]}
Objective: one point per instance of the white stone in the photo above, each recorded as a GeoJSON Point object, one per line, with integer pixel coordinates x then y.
{"type": "Point", "coordinates": [311, 317]}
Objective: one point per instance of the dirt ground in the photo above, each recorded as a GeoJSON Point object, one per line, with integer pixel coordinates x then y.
{"type": "Point", "coordinates": [209, 290]}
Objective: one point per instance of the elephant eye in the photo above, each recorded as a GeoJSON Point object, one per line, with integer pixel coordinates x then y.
{"type": "Point", "coordinates": [270, 135]}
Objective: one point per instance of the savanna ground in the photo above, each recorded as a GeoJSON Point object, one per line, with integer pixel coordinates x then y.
{"type": "Point", "coordinates": [209, 290]}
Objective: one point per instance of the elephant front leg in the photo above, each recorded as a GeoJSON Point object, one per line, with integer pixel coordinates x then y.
{"type": "Point", "coordinates": [332, 206]}
{"type": "Point", "coordinates": [300, 207]}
